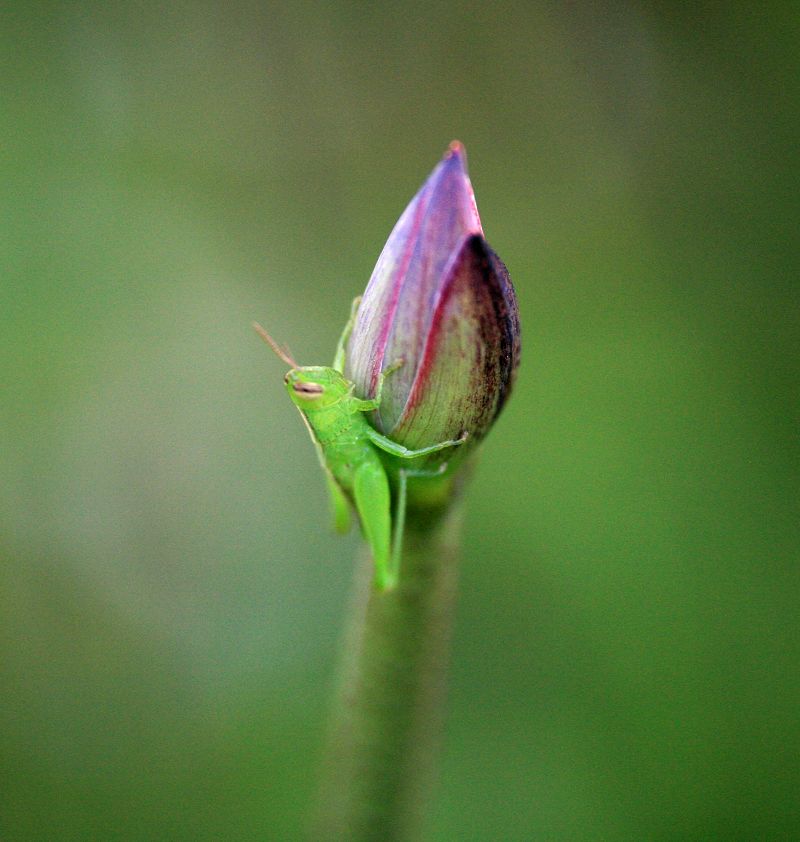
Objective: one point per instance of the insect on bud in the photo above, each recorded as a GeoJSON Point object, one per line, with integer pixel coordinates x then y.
{"type": "Point", "coordinates": [431, 352]}
{"type": "Point", "coordinates": [441, 301]}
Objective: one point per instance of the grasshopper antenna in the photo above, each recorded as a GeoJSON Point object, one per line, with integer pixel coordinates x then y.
{"type": "Point", "coordinates": [281, 352]}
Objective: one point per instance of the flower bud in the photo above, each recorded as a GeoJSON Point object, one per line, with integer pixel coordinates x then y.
{"type": "Point", "coordinates": [441, 301]}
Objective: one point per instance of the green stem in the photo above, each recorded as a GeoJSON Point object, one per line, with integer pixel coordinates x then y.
{"type": "Point", "coordinates": [381, 759]}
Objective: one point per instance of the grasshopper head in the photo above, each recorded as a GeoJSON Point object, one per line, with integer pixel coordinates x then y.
{"type": "Point", "coordinates": [309, 386]}
{"type": "Point", "coordinates": [315, 387]}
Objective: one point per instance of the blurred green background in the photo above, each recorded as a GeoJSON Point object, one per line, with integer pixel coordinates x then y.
{"type": "Point", "coordinates": [625, 662]}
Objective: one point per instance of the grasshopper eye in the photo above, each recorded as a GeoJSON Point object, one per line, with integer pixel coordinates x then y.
{"type": "Point", "coordinates": [308, 390]}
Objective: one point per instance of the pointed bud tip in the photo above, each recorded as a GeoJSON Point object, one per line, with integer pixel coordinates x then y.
{"type": "Point", "coordinates": [454, 165]}
{"type": "Point", "coordinates": [456, 150]}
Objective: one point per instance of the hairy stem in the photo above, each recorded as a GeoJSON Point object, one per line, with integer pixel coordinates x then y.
{"type": "Point", "coordinates": [380, 765]}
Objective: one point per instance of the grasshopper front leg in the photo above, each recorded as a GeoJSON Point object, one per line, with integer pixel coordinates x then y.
{"type": "Point", "coordinates": [341, 347]}
{"type": "Point", "coordinates": [386, 444]}
{"type": "Point", "coordinates": [368, 404]}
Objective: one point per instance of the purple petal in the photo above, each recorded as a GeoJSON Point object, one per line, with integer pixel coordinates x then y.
{"type": "Point", "coordinates": [397, 309]}
{"type": "Point", "coordinates": [471, 354]}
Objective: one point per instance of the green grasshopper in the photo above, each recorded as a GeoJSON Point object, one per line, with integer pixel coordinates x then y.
{"type": "Point", "coordinates": [348, 446]}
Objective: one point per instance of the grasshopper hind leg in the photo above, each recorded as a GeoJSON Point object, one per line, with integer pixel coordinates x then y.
{"type": "Point", "coordinates": [340, 508]}
{"type": "Point", "coordinates": [373, 503]}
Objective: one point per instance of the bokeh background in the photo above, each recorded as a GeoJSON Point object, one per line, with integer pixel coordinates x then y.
{"type": "Point", "coordinates": [625, 662]}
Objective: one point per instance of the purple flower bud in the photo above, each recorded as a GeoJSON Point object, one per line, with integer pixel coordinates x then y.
{"type": "Point", "coordinates": [441, 301]}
